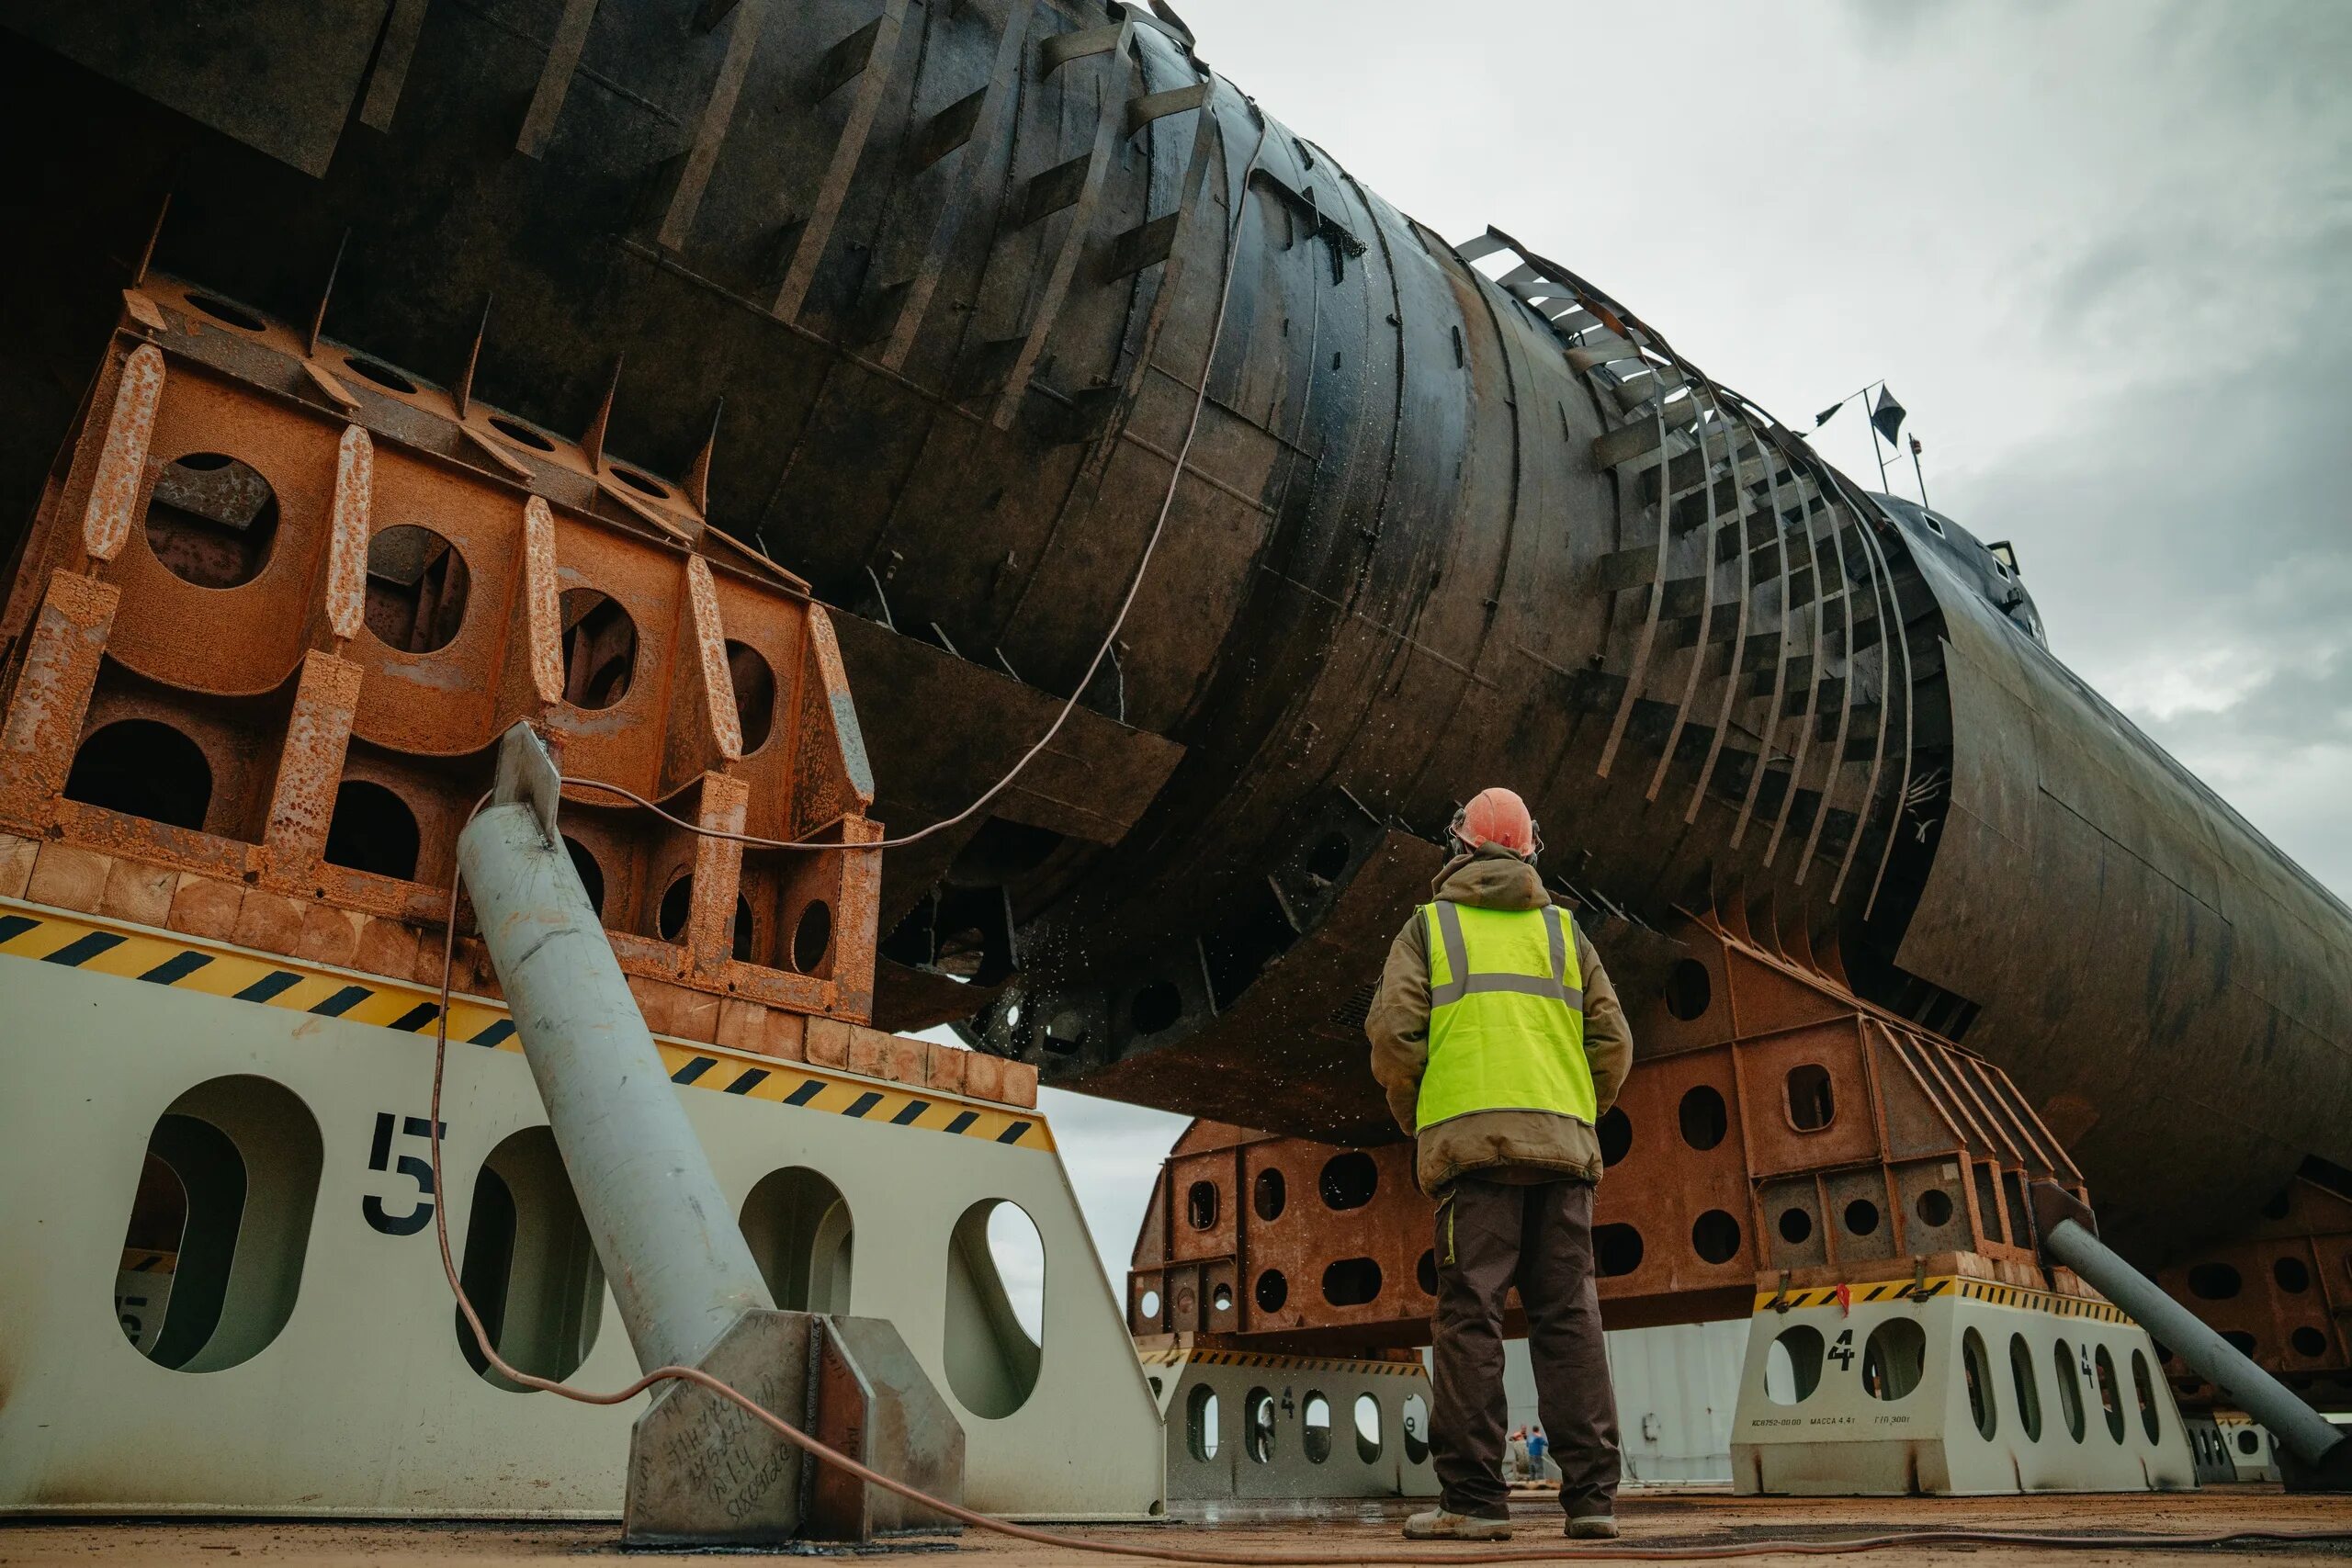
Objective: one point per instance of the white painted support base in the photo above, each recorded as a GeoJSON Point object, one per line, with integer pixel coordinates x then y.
{"type": "Point", "coordinates": [2249, 1445]}
{"type": "Point", "coordinates": [1980, 1389]}
{"type": "Point", "coordinates": [1244, 1425]}
{"type": "Point", "coordinates": [327, 1376]}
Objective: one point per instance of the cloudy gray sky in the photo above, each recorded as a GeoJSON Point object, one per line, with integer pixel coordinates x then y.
{"type": "Point", "coordinates": [2101, 250]}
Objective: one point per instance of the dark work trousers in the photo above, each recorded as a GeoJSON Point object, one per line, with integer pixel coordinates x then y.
{"type": "Point", "coordinates": [1490, 1236]}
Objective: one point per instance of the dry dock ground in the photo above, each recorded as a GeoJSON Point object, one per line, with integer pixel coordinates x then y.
{"type": "Point", "coordinates": [1670, 1519]}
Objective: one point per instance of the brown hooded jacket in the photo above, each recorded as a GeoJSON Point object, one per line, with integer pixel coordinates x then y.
{"type": "Point", "coordinates": [1498, 1145]}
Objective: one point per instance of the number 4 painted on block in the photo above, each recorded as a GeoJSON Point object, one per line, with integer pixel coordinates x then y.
{"type": "Point", "coordinates": [1842, 1350]}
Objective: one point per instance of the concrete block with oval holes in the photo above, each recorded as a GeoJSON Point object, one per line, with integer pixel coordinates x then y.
{"type": "Point", "coordinates": [1980, 1388]}
{"type": "Point", "coordinates": [219, 1271]}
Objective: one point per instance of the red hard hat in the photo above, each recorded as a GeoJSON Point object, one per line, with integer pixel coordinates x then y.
{"type": "Point", "coordinates": [1497, 816]}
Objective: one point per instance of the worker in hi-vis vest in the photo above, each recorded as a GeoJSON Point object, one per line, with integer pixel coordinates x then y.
{"type": "Point", "coordinates": [1500, 1042]}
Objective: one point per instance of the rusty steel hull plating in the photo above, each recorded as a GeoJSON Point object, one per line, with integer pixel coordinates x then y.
{"type": "Point", "coordinates": [941, 278]}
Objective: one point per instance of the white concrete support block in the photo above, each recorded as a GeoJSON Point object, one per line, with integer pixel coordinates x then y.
{"type": "Point", "coordinates": [1978, 1389]}
{"type": "Point", "coordinates": [1244, 1425]}
{"type": "Point", "coordinates": [296, 1350]}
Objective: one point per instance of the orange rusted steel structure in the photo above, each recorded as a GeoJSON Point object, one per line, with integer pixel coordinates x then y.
{"type": "Point", "coordinates": [276, 606]}
{"type": "Point", "coordinates": [1778, 1133]}
{"type": "Point", "coordinates": [2282, 1294]}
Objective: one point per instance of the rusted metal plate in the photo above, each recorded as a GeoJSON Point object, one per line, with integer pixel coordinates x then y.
{"type": "Point", "coordinates": [111, 509]}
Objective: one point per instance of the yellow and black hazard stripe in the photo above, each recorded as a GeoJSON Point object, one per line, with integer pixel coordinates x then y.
{"type": "Point", "coordinates": [1170, 1358]}
{"type": "Point", "coordinates": [1986, 1290]}
{"type": "Point", "coordinates": [186, 964]}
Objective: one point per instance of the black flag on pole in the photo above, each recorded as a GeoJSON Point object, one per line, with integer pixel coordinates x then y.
{"type": "Point", "coordinates": [1887, 415]}
{"type": "Point", "coordinates": [1822, 417]}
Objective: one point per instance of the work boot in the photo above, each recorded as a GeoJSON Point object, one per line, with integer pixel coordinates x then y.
{"type": "Point", "coordinates": [1593, 1527]}
{"type": "Point", "coordinates": [1442, 1524]}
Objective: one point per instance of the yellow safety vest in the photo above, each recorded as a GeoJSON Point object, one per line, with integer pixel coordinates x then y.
{"type": "Point", "coordinates": [1506, 1014]}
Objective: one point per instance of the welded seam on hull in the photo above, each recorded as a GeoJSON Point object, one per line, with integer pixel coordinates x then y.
{"type": "Point", "coordinates": [1844, 692]}
{"type": "Point", "coordinates": [1772, 716]}
{"type": "Point", "coordinates": [1812, 681]}
{"type": "Point", "coordinates": [1649, 616]}
{"type": "Point", "coordinates": [1109, 116]}
{"type": "Point", "coordinates": [1886, 697]}
{"type": "Point", "coordinates": [873, 80]}
{"type": "Point", "coordinates": [1707, 415]}
{"type": "Point", "coordinates": [1893, 629]}
{"type": "Point", "coordinates": [1735, 425]}
{"type": "Point", "coordinates": [1005, 86]}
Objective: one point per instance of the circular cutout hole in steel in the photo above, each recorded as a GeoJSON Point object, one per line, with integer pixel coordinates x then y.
{"type": "Point", "coordinates": [1811, 1101]}
{"type": "Point", "coordinates": [1268, 1193]}
{"type": "Point", "coordinates": [1616, 1249]}
{"type": "Point", "coordinates": [515, 430]}
{"type": "Point", "coordinates": [1156, 1007]}
{"type": "Point", "coordinates": [1273, 1290]}
{"type": "Point", "coordinates": [599, 649]}
{"type": "Point", "coordinates": [227, 313]}
{"type": "Point", "coordinates": [677, 909]}
{"type": "Point", "coordinates": [1934, 1207]}
{"type": "Point", "coordinates": [1795, 1226]}
{"type": "Point", "coordinates": [417, 585]}
{"type": "Point", "coordinates": [141, 767]}
{"type": "Point", "coordinates": [1616, 1132]}
{"type": "Point", "coordinates": [373, 830]}
{"type": "Point", "coordinates": [211, 519]}
{"type": "Point", "coordinates": [1690, 989]}
{"type": "Point", "coordinates": [591, 875]}
{"type": "Point", "coordinates": [383, 375]}
{"type": "Point", "coordinates": [1348, 1180]}
{"type": "Point", "coordinates": [754, 687]}
{"type": "Point", "coordinates": [1861, 1217]}
{"type": "Point", "coordinates": [1715, 1237]}
{"type": "Point", "coordinates": [1201, 1205]}
{"type": "Point", "coordinates": [2214, 1281]}
{"type": "Point", "coordinates": [1350, 1282]}
{"type": "Point", "coordinates": [812, 936]}
{"type": "Point", "coordinates": [645, 484]}
{"type": "Point", "coordinates": [1703, 1118]}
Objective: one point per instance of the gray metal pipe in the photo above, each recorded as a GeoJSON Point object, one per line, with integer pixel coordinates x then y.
{"type": "Point", "coordinates": [2296, 1425]}
{"type": "Point", "coordinates": [666, 1236]}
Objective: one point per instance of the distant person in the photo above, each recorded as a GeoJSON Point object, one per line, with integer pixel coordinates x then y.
{"type": "Point", "coordinates": [1535, 1447]}
{"type": "Point", "coordinates": [1500, 1042]}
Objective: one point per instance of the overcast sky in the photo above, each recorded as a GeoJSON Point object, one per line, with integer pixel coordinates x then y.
{"type": "Point", "coordinates": [2101, 250]}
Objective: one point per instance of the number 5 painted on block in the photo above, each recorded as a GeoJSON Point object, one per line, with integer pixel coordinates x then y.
{"type": "Point", "coordinates": [379, 1158]}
